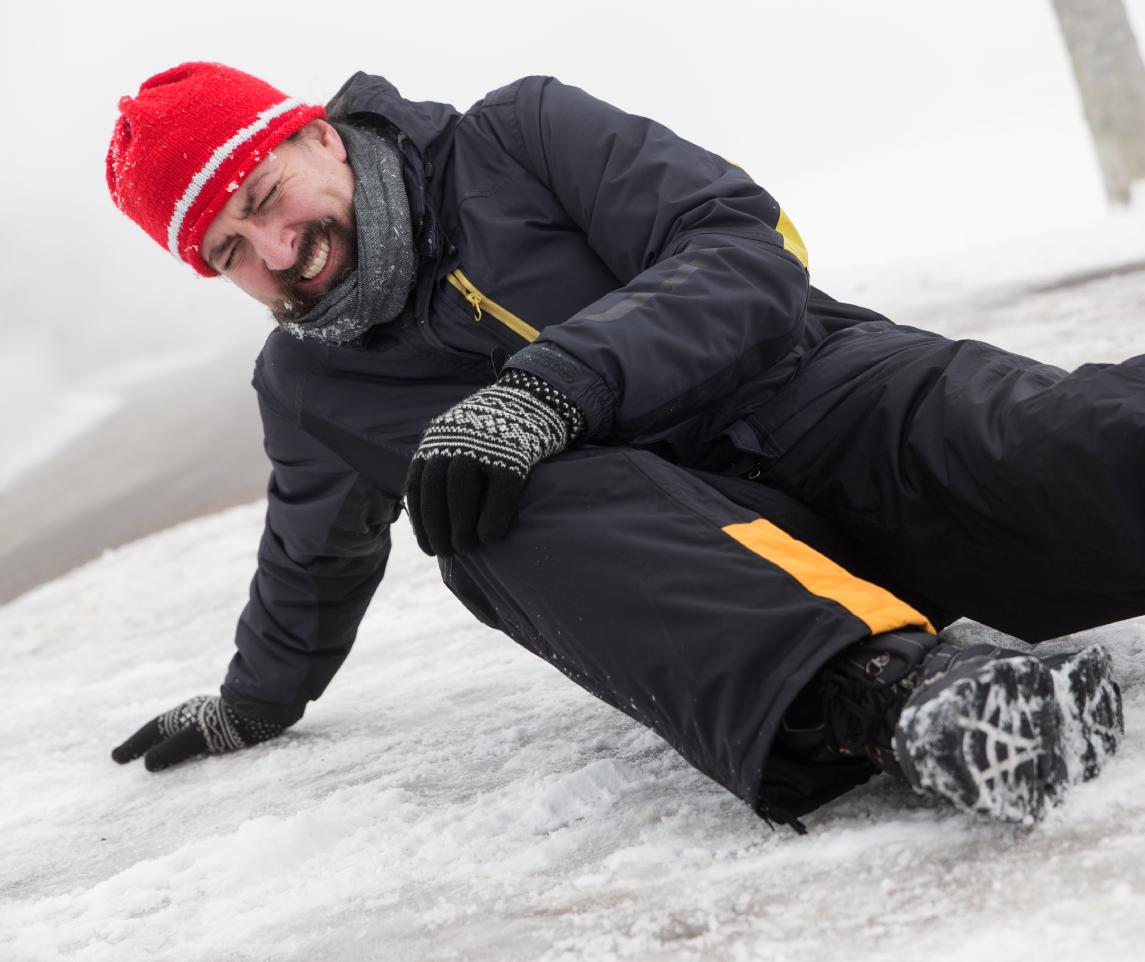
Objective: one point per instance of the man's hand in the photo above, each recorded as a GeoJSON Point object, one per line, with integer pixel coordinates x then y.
{"type": "Point", "coordinates": [469, 471]}
{"type": "Point", "coordinates": [204, 724]}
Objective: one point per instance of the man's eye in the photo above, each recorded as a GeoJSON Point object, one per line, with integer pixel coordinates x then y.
{"type": "Point", "coordinates": [266, 200]}
{"type": "Point", "coordinates": [230, 257]}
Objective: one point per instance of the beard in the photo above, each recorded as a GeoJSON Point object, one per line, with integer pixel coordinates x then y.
{"type": "Point", "coordinates": [297, 301]}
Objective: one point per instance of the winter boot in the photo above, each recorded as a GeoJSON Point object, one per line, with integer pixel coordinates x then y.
{"type": "Point", "coordinates": [995, 731]}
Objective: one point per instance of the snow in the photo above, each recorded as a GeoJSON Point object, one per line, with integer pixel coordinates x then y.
{"type": "Point", "coordinates": [468, 802]}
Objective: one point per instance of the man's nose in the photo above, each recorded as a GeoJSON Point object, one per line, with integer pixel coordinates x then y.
{"type": "Point", "coordinates": [277, 246]}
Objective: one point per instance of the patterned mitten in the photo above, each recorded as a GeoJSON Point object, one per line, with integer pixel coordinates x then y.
{"type": "Point", "coordinates": [469, 471]}
{"type": "Point", "coordinates": [205, 724]}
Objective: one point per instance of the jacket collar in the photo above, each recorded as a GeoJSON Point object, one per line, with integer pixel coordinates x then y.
{"type": "Point", "coordinates": [423, 122]}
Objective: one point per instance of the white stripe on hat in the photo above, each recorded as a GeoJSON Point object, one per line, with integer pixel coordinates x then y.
{"type": "Point", "coordinates": [199, 181]}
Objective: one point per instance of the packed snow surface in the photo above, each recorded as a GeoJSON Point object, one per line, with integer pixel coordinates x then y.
{"type": "Point", "coordinates": [454, 797]}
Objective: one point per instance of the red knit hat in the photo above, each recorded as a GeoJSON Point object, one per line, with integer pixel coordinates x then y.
{"type": "Point", "coordinates": [185, 143]}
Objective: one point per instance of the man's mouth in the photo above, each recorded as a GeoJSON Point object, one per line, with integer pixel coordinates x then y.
{"type": "Point", "coordinates": [317, 260]}
{"type": "Point", "coordinates": [327, 254]}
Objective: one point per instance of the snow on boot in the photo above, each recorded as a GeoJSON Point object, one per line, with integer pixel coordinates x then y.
{"type": "Point", "coordinates": [1004, 734]}
{"type": "Point", "coordinates": [986, 732]}
{"type": "Point", "coordinates": [994, 731]}
{"type": "Point", "coordinates": [1091, 701]}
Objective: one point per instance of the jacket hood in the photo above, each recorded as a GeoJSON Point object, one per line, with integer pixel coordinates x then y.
{"type": "Point", "coordinates": [423, 122]}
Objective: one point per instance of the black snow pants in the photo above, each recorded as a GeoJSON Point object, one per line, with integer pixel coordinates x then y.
{"type": "Point", "coordinates": [902, 480]}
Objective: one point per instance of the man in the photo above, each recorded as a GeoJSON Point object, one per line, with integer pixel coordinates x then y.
{"type": "Point", "coordinates": [587, 354]}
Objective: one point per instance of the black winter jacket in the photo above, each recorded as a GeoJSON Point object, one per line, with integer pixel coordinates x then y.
{"type": "Point", "coordinates": [651, 280]}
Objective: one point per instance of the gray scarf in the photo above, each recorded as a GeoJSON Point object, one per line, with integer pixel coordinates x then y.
{"type": "Point", "coordinates": [377, 290]}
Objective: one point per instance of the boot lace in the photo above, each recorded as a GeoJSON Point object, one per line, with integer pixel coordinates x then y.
{"type": "Point", "coordinates": [859, 711]}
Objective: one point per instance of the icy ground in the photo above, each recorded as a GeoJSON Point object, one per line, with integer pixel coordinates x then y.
{"type": "Point", "coordinates": [453, 797]}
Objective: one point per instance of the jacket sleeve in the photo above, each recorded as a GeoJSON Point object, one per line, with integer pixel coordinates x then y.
{"type": "Point", "coordinates": [322, 555]}
{"type": "Point", "coordinates": [713, 278]}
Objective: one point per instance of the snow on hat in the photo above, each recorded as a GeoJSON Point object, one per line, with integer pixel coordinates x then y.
{"type": "Point", "coordinates": [185, 143]}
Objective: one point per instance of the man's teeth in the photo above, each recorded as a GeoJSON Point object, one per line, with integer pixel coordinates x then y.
{"type": "Point", "coordinates": [318, 261]}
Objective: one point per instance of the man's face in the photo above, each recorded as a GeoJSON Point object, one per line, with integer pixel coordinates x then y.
{"type": "Point", "coordinates": [287, 236]}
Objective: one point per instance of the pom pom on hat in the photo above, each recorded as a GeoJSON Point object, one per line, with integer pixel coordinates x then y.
{"type": "Point", "coordinates": [185, 143]}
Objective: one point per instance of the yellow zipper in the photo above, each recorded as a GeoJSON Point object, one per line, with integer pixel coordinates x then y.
{"type": "Point", "coordinates": [482, 304]}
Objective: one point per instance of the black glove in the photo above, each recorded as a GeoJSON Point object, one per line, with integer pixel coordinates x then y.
{"type": "Point", "coordinates": [203, 724]}
{"type": "Point", "coordinates": [469, 471]}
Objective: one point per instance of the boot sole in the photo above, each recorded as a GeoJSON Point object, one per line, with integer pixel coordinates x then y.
{"type": "Point", "coordinates": [989, 738]}
{"type": "Point", "coordinates": [1093, 719]}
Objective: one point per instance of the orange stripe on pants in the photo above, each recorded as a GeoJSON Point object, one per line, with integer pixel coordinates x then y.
{"type": "Point", "coordinates": [874, 606]}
